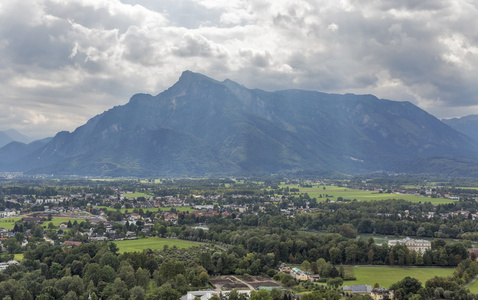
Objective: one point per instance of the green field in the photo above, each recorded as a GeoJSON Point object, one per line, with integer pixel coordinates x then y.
{"type": "Point", "coordinates": [333, 192]}
{"type": "Point", "coordinates": [386, 276]}
{"type": "Point", "coordinates": [9, 223]}
{"type": "Point", "coordinates": [18, 257]}
{"type": "Point", "coordinates": [152, 243]}
{"type": "Point", "coordinates": [136, 195]}
{"type": "Point", "coordinates": [473, 287]}
{"type": "Point", "coordinates": [57, 221]}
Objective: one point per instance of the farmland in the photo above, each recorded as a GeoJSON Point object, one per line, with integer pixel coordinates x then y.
{"type": "Point", "coordinates": [152, 243]}
{"type": "Point", "coordinates": [321, 193]}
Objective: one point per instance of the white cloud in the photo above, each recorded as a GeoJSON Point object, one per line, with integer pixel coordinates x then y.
{"type": "Point", "coordinates": [65, 61]}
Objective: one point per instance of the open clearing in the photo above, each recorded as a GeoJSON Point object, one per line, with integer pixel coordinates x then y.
{"type": "Point", "coordinates": [386, 276]}
{"type": "Point", "coordinates": [333, 192]}
{"type": "Point", "coordinates": [9, 223]}
{"type": "Point", "coordinates": [152, 243]}
{"type": "Point", "coordinates": [18, 257]}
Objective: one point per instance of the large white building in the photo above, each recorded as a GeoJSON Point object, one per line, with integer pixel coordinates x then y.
{"type": "Point", "coordinates": [419, 246]}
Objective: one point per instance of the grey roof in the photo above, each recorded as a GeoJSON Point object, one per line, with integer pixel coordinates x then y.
{"type": "Point", "coordinates": [358, 289]}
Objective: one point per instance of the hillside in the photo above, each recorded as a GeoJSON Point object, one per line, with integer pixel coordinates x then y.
{"type": "Point", "coordinates": [202, 127]}
{"type": "Point", "coordinates": [467, 125]}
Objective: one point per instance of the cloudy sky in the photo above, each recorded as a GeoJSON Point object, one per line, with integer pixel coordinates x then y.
{"type": "Point", "coordinates": [64, 61]}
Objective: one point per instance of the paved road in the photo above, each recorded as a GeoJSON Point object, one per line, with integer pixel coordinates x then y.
{"type": "Point", "coordinates": [476, 277]}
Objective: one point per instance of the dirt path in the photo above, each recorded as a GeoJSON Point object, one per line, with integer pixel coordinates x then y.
{"type": "Point", "coordinates": [243, 282]}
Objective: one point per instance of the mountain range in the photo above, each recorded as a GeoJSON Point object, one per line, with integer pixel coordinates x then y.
{"type": "Point", "coordinates": [204, 127]}
{"type": "Point", "coordinates": [11, 135]}
{"type": "Point", "coordinates": [467, 125]}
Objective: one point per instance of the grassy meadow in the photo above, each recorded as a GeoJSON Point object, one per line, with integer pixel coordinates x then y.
{"type": "Point", "coordinates": [386, 276]}
{"type": "Point", "coordinates": [18, 257]}
{"type": "Point", "coordinates": [473, 287]}
{"type": "Point", "coordinates": [136, 195]}
{"type": "Point", "coordinates": [333, 192]}
{"type": "Point", "coordinates": [9, 223]}
{"type": "Point", "coordinates": [152, 243]}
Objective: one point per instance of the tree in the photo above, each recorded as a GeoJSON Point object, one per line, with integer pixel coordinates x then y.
{"type": "Point", "coordinates": [306, 265]}
{"type": "Point", "coordinates": [351, 253]}
{"type": "Point", "coordinates": [142, 277]}
{"type": "Point", "coordinates": [71, 296]}
{"type": "Point", "coordinates": [260, 295]}
{"type": "Point", "coordinates": [126, 273]}
{"type": "Point", "coordinates": [334, 253]}
{"type": "Point", "coordinates": [137, 293]}
{"type": "Point", "coordinates": [204, 278]}
{"type": "Point", "coordinates": [314, 268]}
{"type": "Point", "coordinates": [165, 294]}
{"type": "Point", "coordinates": [409, 285]}
{"type": "Point", "coordinates": [335, 282]}
{"type": "Point", "coordinates": [109, 259]}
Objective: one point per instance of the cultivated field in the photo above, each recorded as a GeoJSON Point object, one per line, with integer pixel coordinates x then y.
{"type": "Point", "coordinates": [333, 192]}
{"type": "Point", "coordinates": [152, 243]}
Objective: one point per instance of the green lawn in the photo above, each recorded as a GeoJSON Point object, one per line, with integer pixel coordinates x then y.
{"type": "Point", "coordinates": [152, 243]}
{"type": "Point", "coordinates": [57, 221]}
{"type": "Point", "coordinates": [386, 276]}
{"type": "Point", "coordinates": [18, 257]}
{"type": "Point", "coordinates": [474, 287]}
{"type": "Point", "coordinates": [9, 223]}
{"type": "Point", "coordinates": [333, 192]}
{"type": "Point", "coordinates": [136, 195]}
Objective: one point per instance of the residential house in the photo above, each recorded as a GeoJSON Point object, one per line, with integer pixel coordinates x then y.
{"type": "Point", "coordinates": [361, 289]}
{"type": "Point", "coordinates": [473, 253]}
{"type": "Point", "coordinates": [284, 268]}
{"type": "Point", "coordinates": [299, 274]}
{"type": "Point", "coordinates": [381, 294]}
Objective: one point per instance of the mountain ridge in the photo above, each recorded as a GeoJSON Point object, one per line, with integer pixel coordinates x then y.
{"type": "Point", "coordinates": [203, 127]}
{"type": "Point", "coordinates": [467, 125]}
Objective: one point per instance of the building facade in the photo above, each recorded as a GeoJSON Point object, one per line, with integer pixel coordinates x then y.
{"type": "Point", "coordinates": [419, 246]}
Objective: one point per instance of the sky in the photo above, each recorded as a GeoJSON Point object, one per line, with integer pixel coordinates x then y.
{"type": "Point", "coordinates": [65, 61]}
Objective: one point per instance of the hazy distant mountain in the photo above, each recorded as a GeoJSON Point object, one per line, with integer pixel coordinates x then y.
{"type": "Point", "coordinates": [467, 125]}
{"type": "Point", "coordinates": [4, 139]}
{"type": "Point", "coordinates": [201, 126]}
{"type": "Point", "coordinates": [11, 135]}
{"type": "Point", "coordinates": [14, 151]}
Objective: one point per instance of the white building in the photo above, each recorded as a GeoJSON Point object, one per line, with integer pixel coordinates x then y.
{"type": "Point", "coordinates": [419, 246]}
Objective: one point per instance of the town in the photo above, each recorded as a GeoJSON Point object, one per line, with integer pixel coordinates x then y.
{"type": "Point", "coordinates": [295, 219]}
